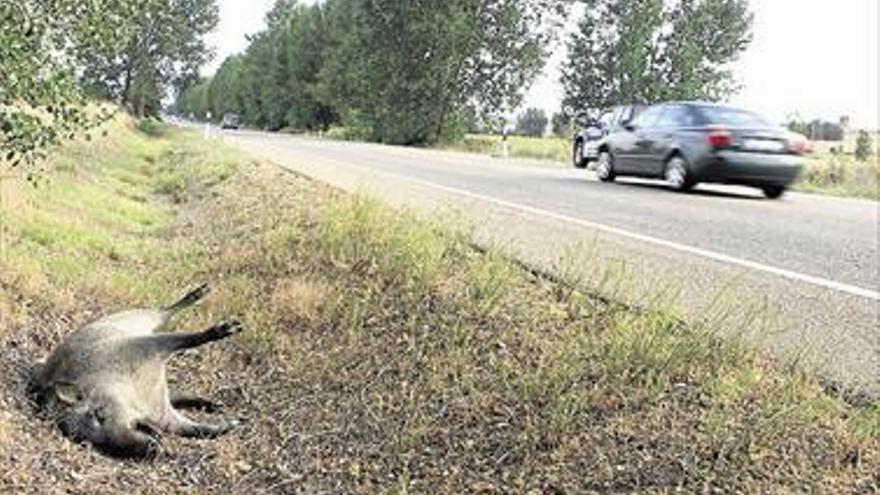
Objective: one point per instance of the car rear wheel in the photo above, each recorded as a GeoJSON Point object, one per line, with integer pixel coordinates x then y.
{"type": "Point", "coordinates": [677, 174]}
{"type": "Point", "coordinates": [605, 167]}
{"type": "Point", "coordinates": [578, 154]}
{"type": "Point", "coordinates": [773, 192]}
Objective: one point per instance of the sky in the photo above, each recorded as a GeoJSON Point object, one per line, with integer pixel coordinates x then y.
{"type": "Point", "coordinates": [812, 58]}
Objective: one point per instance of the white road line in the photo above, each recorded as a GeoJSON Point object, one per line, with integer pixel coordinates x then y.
{"type": "Point", "coordinates": [753, 265]}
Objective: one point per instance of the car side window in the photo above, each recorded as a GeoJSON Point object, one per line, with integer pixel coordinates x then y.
{"type": "Point", "coordinates": [648, 118]}
{"type": "Point", "coordinates": [680, 116]}
{"type": "Point", "coordinates": [666, 117]}
{"type": "Point", "coordinates": [624, 115]}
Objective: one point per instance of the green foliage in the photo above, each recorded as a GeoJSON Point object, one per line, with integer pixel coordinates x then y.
{"type": "Point", "coordinates": [396, 72]}
{"type": "Point", "coordinates": [137, 50]}
{"type": "Point", "coordinates": [562, 125]}
{"type": "Point", "coordinates": [39, 100]}
{"type": "Point", "coordinates": [532, 122]}
{"type": "Point", "coordinates": [55, 55]}
{"type": "Point", "coordinates": [151, 127]}
{"type": "Point", "coordinates": [644, 51]}
{"type": "Point", "coordinates": [817, 130]}
{"type": "Point", "coordinates": [195, 101]}
{"type": "Point", "coordinates": [864, 146]}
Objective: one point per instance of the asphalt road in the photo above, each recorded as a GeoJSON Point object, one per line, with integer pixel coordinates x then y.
{"type": "Point", "coordinates": [811, 261]}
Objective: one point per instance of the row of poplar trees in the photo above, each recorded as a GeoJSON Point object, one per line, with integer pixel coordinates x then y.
{"type": "Point", "coordinates": [419, 71]}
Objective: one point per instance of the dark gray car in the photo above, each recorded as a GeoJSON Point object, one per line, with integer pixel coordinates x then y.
{"type": "Point", "coordinates": [687, 143]}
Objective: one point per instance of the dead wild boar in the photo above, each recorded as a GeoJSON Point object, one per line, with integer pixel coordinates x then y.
{"type": "Point", "coordinates": [106, 384]}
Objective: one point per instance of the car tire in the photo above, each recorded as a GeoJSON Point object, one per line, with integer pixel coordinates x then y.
{"type": "Point", "coordinates": [773, 192]}
{"type": "Point", "coordinates": [577, 154]}
{"type": "Point", "coordinates": [605, 167]}
{"type": "Point", "coordinates": [677, 174]}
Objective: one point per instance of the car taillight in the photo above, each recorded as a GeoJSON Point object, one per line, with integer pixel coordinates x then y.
{"type": "Point", "coordinates": [799, 144]}
{"type": "Point", "coordinates": [719, 138]}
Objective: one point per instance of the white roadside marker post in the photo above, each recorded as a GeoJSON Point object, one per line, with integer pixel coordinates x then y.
{"type": "Point", "coordinates": [208, 125]}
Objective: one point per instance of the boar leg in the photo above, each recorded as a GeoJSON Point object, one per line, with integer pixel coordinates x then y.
{"type": "Point", "coordinates": [166, 344]}
{"type": "Point", "coordinates": [186, 401]}
{"type": "Point", "coordinates": [188, 300]}
{"type": "Point", "coordinates": [185, 427]}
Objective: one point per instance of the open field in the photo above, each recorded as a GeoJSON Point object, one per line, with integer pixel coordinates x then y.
{"type": "Point", "coordinates": [839, 173]}
{"type": "Point", "coordinates": [383, 354]}
{"type": "Point", "coordinates": [539, 148]}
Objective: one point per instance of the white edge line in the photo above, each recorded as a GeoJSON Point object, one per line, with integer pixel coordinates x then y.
{"type": "Point", "coordinates": [753, 265]}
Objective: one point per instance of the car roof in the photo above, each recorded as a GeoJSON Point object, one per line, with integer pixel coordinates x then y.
{"type": "Point", "coordinates": [697, 103]}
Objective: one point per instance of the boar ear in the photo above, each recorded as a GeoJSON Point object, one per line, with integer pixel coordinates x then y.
{"type": "Point", "coordinates": [68, 393]}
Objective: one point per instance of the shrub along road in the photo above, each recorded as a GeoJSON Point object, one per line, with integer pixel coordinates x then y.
{"type": "Point", "coordinates": [799, 275]}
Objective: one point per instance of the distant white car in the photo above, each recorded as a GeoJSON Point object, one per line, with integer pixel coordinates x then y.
{"type": "Point", "coordinates": [230, 121]}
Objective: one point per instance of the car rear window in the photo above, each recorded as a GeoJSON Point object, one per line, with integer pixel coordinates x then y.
{"type": "Point", "coordinates": [733, 117]}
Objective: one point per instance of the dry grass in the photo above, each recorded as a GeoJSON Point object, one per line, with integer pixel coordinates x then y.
{"type": "Point", "coordinates": [840, 174]}
{"type": "Point", "coordinates": [553, 150]}
{"type": "Point", "coordinates": [386, 355]}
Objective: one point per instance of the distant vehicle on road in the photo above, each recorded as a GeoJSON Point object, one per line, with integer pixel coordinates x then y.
{"type": "Point", "coordinates": [585, 145]}
{"type": "Point", "coordinates": [230, 121]}
{"type": "Point", "coordinates": [690, 142]}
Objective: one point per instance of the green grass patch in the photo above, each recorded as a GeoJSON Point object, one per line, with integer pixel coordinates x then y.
{"type": "Point", "coordinates": [95, 220]}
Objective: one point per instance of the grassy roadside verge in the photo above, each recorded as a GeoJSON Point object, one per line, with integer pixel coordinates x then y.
{"type": "Point", "coordinates": [383, 354]}
{"type": "Point", "coordinates": [840, 174]}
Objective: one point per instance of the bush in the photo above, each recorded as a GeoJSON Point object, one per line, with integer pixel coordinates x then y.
{"type": "Point", "coordinates": [532, 122]}
{"type": "Point", "coordinates": [152, 127]}
{"type": "Point", "coordinates": [817, 130]}
{"type": "Point", "coordinates": [562, 124]}
{"type": "Point", "coordinates": [864, 146]}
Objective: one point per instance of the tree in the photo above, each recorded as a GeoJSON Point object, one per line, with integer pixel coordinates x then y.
{"type": "Point", "coordinates": [305, 42]}
{"type": "Point", "coordinates": [405, 70]}
{"type": "Point", "coordinates": [561, 124]}
{"type": "Point", "coordinates": [532, 122]}
{"type": "Point", "coordinates": [799, 126]}
{"type": "Point", "coordinates": [274, 84]}
{"type": "Point", "coordinates": [143, 48]}
{"type": "Point", "coordinates": [864, 146]}
{"type": "Point", "coordinates": [645, 51]}
{"type": "Point", "coordinates": [817, 130]}
{"type": "Point", "coordinates": [40, 101]}
{"type": "Point", "coordinates": [225, 92]}
{"type": "Point", "coordinates": [822, 130]}
{"type": "Point", "coordinates": [196, 100]}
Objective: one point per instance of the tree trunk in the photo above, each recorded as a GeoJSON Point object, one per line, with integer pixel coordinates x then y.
{"type": "Point", "coordinates": [126, 88]}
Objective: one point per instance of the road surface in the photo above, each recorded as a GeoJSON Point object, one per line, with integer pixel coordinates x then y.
{"type": "Point", "coordinates": [800, 275]}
